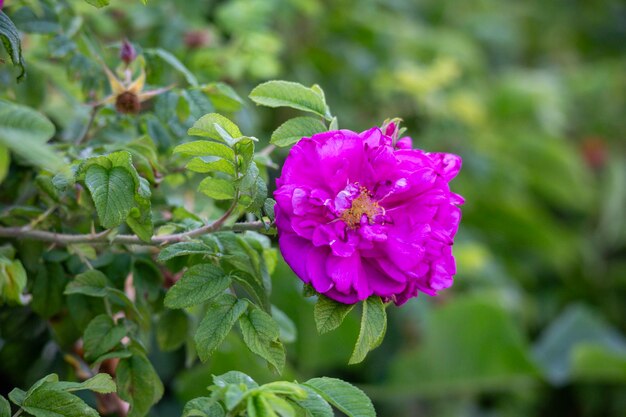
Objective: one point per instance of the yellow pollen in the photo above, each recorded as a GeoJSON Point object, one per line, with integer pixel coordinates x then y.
{"type": "Point", "coordinates": [363, 204]}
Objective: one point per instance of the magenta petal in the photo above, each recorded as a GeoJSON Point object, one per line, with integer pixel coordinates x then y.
{"type": "Point", "coordinates": [357, 217]}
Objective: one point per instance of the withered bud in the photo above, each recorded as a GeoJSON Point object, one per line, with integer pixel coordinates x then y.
{"type": "Point", "coordinates": [127, 103]}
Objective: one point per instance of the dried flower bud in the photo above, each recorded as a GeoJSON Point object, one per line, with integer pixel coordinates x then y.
{"type": "Point", "coordinates": [127, 52]}
{"type": "Point", "coordinates": [127, 103]}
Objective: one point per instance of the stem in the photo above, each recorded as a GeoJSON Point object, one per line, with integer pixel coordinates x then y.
{"type": "Point", "coordinates": [102, 237]}
{"type": "Point", "coordinates": [92, 117]}
{"type": "Point", "coordinates": [18, 412]}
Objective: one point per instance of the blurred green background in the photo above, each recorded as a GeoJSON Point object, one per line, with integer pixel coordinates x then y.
{"type": "Point", "coordinates": [532, 95]}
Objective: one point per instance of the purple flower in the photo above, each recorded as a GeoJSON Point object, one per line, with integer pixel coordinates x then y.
{"type": "Point", "coordinates": [357, 216]}
{"type": "Point", "coordinates": [1, 4]}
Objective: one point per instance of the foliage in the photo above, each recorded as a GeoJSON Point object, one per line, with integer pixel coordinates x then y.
{"type": "Point", "coordinates": [143, 243]}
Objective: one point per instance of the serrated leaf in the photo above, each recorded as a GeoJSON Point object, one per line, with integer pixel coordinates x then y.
{"type": "Point", "coordinates": [260, 333]}
{"type": "Point", "coordinates": [25, 132]}
{"type": "Point", "coordinates": [217, 188]}
{"type": "Point", "coordinates": [206, 148]}
{"type": "Point", "coordinates": [197, 285]}
{"type": "Point", "coordinates": [100, 383]}
{"type": "Point", "coordinates": [138, 384]}
{"type": "Point", "coordinates": [209, 126]}
{"type": "Point", "coordinates": [203, 407]}
{"type": "Point", "coordinates": [221, 315]}
{"type": "Point", "coordinates": [314, 404]}
{"type": "Point", "coordinates": [92, 283]}
{"type": "Point", "coordinates": [113, 193]}
{"type": "Point", "coordinates": [184, 249]}
{"type": "Point", "coordinates": [50, 403]}
{"type": "Point", "coordinates": [101, 335]}
{"type": "Point", "coordinates": [347, 398]}
{"type": "Point", "coordinates": [10, 38]}
{"type": "Point", "coordinates": [295, 129]}
{"type": "Point", "coordinates": [290, 94]}
{"type": "Point", "coordinates": [171, 329]}
{"type": "Point", "coordinates": [373, 327]}
{"type": "Point", "coordinates": [329, 314]}
{"type": "Point", "coordinates": [5, 407]}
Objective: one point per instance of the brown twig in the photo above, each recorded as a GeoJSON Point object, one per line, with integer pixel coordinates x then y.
{"type": "Point", "coordinates": [102, 237]}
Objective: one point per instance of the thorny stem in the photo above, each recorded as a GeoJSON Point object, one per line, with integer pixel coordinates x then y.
{"type": "Point", "coordinates": [102, 237]}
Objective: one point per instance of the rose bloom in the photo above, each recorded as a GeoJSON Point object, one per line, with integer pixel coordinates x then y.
{"type": "Point", "coordinates": [358, 216]}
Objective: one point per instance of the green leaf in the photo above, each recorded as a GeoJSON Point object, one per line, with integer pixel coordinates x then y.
{"type": "Point", "coordinates": [5, 162]}
{"type": "Point", "coordinates": [101, 335]}
{"type": "Point", "coordinates": [198, 284]}
{"type": "Point", "coordinates": [436, 368]}
{"type": "Point", "coordinates": [47, 289]}
{"type": "Point", "coordinates": [205, 164]}
{"type": "Point", "coordinates": [373, 327]}
{"type": "Point", "coordinates": [290, 94]}
{"type": "Point", "coordinates": [260, 333]}
{"type": "Point", "coordinates": [279, 405]}
{"type": "Point", "coordinates": [92, 283]}
{"type": "Point", "coordinates": [17, 396]}
{"type": "Point", "coordinates": [184, 249]}
{"type": "Point", "coordinates": [100, 383]}
{"type": "Point", "coordinates": [173, 62]}
{"type": "Point", "coordinates": [203, 407]}
{"type": "Point", "coordinates": [171, 329]}
{"type": "Point", "coordinates": [329, 314]}
{"type": "Point", "coordinates": [98, 3]}
{"type": "Point", "coordinates": [213, 126]}
{"type": "Point", "coordinates": [206, 148]}
{"type": "Point", "coordinates": [10, 38]}
{"type": "Point", "coordinates": [45, 402]}
{"type": "Point", "coordinates": [5, 407]}
{"type": "Point", "coordinates": [314, 404]}
{"type": "Point", "coordinates": [12, 281]}
{"type": "Point", "coordinates": [257, 406]}
{"type": "Point", "coordinates": [578, 325]}
{"type": "Point", "coordinates": [25, 132]}
{"type": "Point", "coordinates": [140, 216]}
{"type": "Point", "coordinates": [234, 378]}
{"type": "Point", "coordinates": [295, 129]}
{"type": "Point", "coordinates": [287, 328]}
{"type": "Point", "coordinates": [138, 384]}
{"type": "Point", "coordinates": [347, 398]}
{"type": "Point", "coordinates": [223, 97]}
{"type": "Point", "coordinates": [113, 193]}
{"type": "Point", "coordinates": [221, 315]}
{"type": "Point", "coordinates": [217, 189]}
{"type": "Point", "coordinates": [591, 362]}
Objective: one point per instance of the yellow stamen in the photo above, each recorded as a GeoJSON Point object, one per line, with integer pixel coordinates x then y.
{"type": "Point", "coordinates": [363, 204]}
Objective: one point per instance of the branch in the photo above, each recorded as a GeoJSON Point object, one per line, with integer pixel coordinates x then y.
{"type": "Point", "coordinates": [103, 237]}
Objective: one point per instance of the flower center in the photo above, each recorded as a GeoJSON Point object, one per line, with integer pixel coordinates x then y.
{"type": "Point", "coordinates": [362, 205]}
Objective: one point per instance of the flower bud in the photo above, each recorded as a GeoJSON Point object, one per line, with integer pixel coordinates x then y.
{"type": "Point", "coordinates": [127, 52]}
